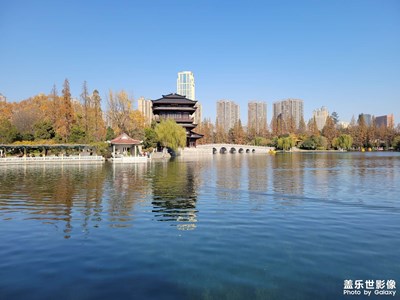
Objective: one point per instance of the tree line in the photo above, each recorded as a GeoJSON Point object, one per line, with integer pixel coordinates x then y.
{"type": "Point", "coordinates": [284, 134]}
{"type": "Point", "coordinates": [59, 118]}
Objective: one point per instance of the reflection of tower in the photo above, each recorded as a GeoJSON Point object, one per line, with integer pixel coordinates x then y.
{"type": "Point", "coordinates": [175, 194]}
{"type": "Point", "coordinates": [230, 176]}
{"type": "Point", "coordinates": [258, 175]}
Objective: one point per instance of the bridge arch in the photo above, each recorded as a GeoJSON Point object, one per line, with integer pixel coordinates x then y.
{"type": "Point", "coordinates": [247, 150]}
{"type": "Point", "coordinates": [223, 150]}
{"type": "Point", "coordinates": [240, 150]}
{"type": "Point", "coordinates": [233, 150]}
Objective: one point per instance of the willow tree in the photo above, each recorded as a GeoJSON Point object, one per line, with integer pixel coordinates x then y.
{"type": "Point", "coordinates": [344, 141]}
{"type": "Point", "coordinates": [170, 134]}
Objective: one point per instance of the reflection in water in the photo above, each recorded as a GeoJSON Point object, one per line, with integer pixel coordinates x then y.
{"type": "Point", "coordinates": [230, 176]}
{"type": "Point", "coordinates": [174, 193]}
{"type": "Point", "coordinates": [288, 178]}
{"type": "Point", "coordinates": [127, 185]}
{"type": "Point", "coordinates": [52, 193]}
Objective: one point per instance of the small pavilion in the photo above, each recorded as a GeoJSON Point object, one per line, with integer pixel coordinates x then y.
{"type": "Point", "coordinates": [123, 145]}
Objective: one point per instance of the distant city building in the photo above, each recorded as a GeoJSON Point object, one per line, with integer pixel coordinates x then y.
{"type": "Point", "coordinates": [145, 107]}
{"type": "Point", "coordinates": [343, 124]}
{"type": "Point", "coordinates": [289, 108]}
{"type": "Point", "coordinates": [3, 98]}
{"type": "Point", "coordinates": [228, 113]}
{"type": "Point", "coordinates": [180, 109]}
{"type": "Point", "coordinates": [257, 116]}
{"type": "Point", "coordinates": [367, 119]}
{"type": "Point", "coordinates": [185, 86]}
{"type": "Point", "coordinates": [320, 116]}
{"type": "Point", "coordinates": [386, 121]}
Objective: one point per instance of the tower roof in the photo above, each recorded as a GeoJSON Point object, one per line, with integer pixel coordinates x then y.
{"type": "Point", "coordinates": [174, 98]}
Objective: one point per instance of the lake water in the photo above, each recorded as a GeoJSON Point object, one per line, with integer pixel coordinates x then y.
{"type": "Point", "coordinates": [233, 226]}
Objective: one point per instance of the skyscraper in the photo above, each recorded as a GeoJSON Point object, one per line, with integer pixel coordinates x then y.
{"type": "Point", "coordinates": [185, 86]}
{"type": "Point", "coordinates": [257, 117]}
{"type": "Point", "coordinates": [367, 119]}
{"type": "Point", "coordinates": [145, 107]}
{"type": "Point", "coordinates": [320, 116]}
{"type": "Point", "coordinates": [289, 108]}
{"type": "Point", "coordinates": [228, 113]}
{"type": "Point", "coordinates": [385, 121]}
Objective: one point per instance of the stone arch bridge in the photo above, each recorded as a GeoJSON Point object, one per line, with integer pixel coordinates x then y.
{"type": "Point", "coordinates": [233, 148]}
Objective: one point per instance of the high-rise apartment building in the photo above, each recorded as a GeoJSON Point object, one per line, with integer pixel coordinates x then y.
{"type": "Point", "coordinates": [367, 119]}
{"type": "Point", "coordinates": [185, 86]}
{"type": "Point", "coordinates": [289, 108]}
{"type": "Point", "coordinates": [320, 116]}
{"type": "Point", "coordinates": [145, 107]}
{"type": "Point", "coordinates": [386, 121]}
{"type": "Point", "coordinates": [228, 113]}
{"type": "Point", "coordinates": [257, 117]}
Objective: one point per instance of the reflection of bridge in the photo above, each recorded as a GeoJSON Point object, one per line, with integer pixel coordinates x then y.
{"type": "Point", "coordinates": [233, 148]}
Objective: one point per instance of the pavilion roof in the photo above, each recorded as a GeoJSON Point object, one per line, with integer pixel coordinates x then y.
{"type": "Point", "coordinates": [174, 98]}
{"type": "Point", "coordinates": [124, 139]}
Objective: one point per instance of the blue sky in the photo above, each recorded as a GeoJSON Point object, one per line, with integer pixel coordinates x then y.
{"type": "Point", "coordinates": [343, 54]}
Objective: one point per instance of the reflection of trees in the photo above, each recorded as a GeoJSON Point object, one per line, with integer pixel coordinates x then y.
{"type": "Point", "coordinates": [288, 177]}
{"type": "Point", "coordinates": [53, 193]}
{"type": "Point", "coordinates": [174, 193]}
{"type": "Point", "coordinates": [128, 186]}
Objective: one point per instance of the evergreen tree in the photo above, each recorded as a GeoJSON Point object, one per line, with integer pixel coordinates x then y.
{"type": "Point", "coordinates": [335, 118]}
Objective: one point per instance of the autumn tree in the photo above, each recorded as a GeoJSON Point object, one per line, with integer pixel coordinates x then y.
{"type": "Point", "coordinates": [360, 133]}
{"type": "Point", "coordinates": [98, 122]}
{"type": "Point", "coordinates": [54, 105]}
{"type": "Point", "coordinates": [313, 127]}
{"type": "Point", "coordinates": [291, 125]}
{"type": "Point", "coordinates": [221, 135]}
{"type": "Point", "coordinates": [206, 128]}
{"type": "Point", "coordinates": [66, 116]}
{"type": "Point", "coordinates": [86, 109]}
{"type": "Point", "coordinates": [136, 125]}
{"type": "Point", "coordinates": [302, 130]}
{"type": "Point", "coordinates": [236, 134]}
{"type": "Point", "coordinates": [329, 131]}
{"type": "Point", "coordinates": [119, 111]}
